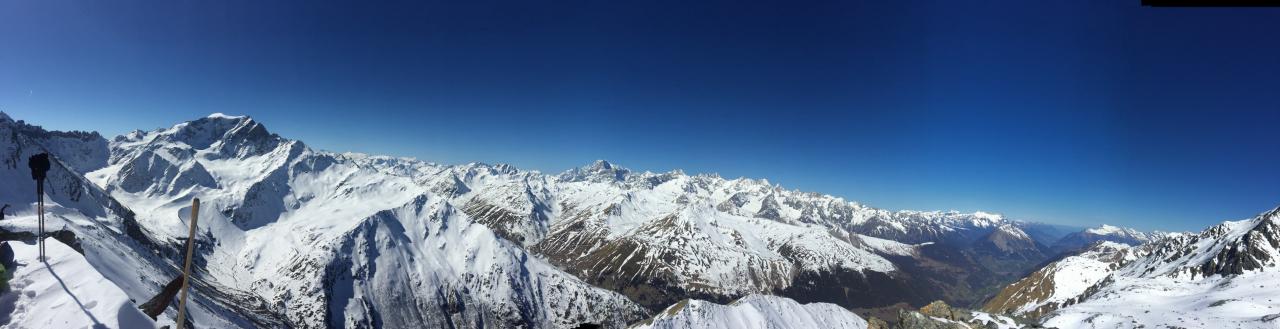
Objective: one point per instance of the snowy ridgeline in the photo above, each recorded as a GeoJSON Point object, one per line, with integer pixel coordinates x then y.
{"type": "Point", "coordinates": [64, 292]}
{"type": "Point", "coordinates": [754, 311]}
{"type": "Point", "coordinates": [1224, 277]}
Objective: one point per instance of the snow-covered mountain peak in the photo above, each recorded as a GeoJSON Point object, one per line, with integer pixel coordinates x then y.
{"type": "Point", "coordinates": [217, 135]}
{"type": "Point", "coordinates": [1013, 230]}
{"type": "Point", "coordinates": [989, 216]}
{"type": "Point", "coordinates": [5, 116]}
{"type": "Point", "coordinates": [598, 171]}
{"type": "Point", "coordinates": [1105, 229]}
{"type": "Point", "coordinates": [220, 115]}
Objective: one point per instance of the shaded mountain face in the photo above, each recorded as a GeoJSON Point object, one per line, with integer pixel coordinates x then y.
{"type": "Point", "coordinates": [1010, 243]}
{"type": "Point", "coordinates": [1177, 280]}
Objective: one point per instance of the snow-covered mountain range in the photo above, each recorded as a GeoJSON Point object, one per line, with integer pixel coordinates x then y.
{"type": "Point", "coordinates": [291, 236]}
{"type": "Point", "coordinates": [1078, 240]}
{"type": "Point", "coordinates": [1223, 277]}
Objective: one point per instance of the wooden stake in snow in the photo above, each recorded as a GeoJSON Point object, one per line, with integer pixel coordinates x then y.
{"type": "Point", "coordinates": [186, 268]}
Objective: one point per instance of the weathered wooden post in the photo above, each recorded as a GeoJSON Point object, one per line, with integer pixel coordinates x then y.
{"type": "Point", "coordinates": [186, 268]}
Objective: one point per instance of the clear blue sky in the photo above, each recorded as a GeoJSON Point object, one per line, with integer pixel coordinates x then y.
{"type": "Point", "coordinates": [1078, 112]}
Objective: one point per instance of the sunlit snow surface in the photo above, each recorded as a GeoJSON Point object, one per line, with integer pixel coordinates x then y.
{"type": "Point", "coordinates": [1166, 285]}
{"type": "Point", "coordinates": [1073, 275]}
{"type": "Point", "coordinates": [64, 292]}
{"type": "Point", "coordinates": [1244, 301]}
{"type": "Point", "coordinates": [1000, 321]}
{"type": "Point", "coordinates": [754, 311]}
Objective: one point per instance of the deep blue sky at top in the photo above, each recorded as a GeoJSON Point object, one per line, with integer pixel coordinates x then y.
{"type": "Point", "coordinates": [1078, 112]}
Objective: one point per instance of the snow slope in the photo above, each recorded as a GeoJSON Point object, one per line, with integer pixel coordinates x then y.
{"type": "Point", "coordinates": [64, 292]}
{"type": "Point", "coordinates": [1060, 283]}
{"type": "Point", "coordinates": [1224, 277]}
{"type": "Point", "coordinates": [754, 311]}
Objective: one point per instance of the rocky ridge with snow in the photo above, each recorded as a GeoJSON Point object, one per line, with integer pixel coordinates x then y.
{"type": "Point", "coordinates": [1223, 276]}
{"type": "Point", "coordinates": [1088, 237]}
{"type": "Point", "coordinates": [1061, 283]}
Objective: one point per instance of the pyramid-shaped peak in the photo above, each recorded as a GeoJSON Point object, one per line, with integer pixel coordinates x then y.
{"type": "Point", "coordinates": [601, 164]}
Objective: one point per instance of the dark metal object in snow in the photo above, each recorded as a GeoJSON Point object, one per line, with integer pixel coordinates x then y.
{"type": "Point", "coordinates": [39, 165]}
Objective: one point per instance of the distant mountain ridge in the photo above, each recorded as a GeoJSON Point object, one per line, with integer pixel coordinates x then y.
{"type": "Point", "coordinates": [1090, 236]}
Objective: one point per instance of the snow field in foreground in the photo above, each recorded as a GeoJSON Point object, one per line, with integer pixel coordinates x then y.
{"type": "Point", "coordinates": [64, 292]}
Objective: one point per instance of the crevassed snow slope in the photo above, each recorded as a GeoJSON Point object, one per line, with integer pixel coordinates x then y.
{"type": "Point", "coordinates": [63, 292]}
{"type": "Point", "coordinates": [754, 311]}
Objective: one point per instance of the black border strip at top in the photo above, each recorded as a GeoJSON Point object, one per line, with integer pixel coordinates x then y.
{"type": "Point", "coordinates": [1211, 3]}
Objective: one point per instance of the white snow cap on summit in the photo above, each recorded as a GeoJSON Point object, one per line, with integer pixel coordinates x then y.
{"type": "Point", "coordinates": [220, 115]}
{"type": "Point", "coordinates": [988, 215]}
